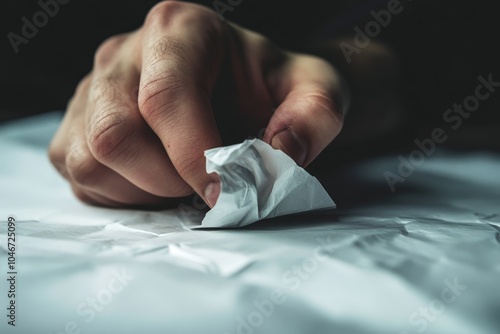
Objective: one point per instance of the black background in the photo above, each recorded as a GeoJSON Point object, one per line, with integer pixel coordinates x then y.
{"type": "Point", "coordinates": [444, 46]}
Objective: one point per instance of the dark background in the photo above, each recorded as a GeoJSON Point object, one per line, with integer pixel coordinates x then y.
{"type": "Point", "coordinates": [443, 46]}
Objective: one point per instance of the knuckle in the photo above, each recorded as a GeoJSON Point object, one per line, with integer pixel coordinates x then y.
{"type": "Point", "coordinates": [319, 103]}
{"type": "Point", "coordinates": [81, 167]}
{"type": "Point", "coordinates": [159, 95]}
{"type": "Point", "coordinates": [107, 49]}
{"type": "Point", "coordinates": [318, 100]}
{"type": "Point", "coordinates": [333, 97]}
{"type": "Point", "coordinates": [167, 13]}
{"type": "Point", "coordinates": [108, 136]}
{"type": "Point", "coordinates": [164, 11]}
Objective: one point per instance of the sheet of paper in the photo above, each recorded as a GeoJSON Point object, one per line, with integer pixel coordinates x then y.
{"type": "Point", "coordinates": [382, 262]}
{"type": "Point", "coordinates": [259, 182]}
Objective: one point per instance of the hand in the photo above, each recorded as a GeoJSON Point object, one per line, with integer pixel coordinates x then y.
{"type": "Point", "coordinates": [157, 98]}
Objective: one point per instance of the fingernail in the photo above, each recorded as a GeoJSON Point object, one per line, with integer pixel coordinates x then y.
{"type": "Point", "coordinates": [290, 143]}
{"type": "Point", "coordinates": [211, 193]}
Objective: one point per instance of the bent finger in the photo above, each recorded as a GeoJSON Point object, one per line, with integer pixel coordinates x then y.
{"type": "Point", "coordinates": [311, 112]}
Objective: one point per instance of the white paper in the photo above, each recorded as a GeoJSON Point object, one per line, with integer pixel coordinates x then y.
{"type": "Point", "coordinates": [259, 182]}
{"type": "Point", "coordinates": [378, 265]}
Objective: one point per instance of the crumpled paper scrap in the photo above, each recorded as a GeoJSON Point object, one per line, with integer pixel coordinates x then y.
{"type": "Point", "coordinates": [260, 182]}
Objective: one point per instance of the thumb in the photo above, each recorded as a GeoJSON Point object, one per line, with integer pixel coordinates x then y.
{"type": "Point", "coordinates": [311, 113]}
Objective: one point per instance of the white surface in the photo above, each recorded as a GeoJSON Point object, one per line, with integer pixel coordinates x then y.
{"type": "Point", "coordinates": [373, 263]}
{"type": "Point", "coordinates": [259, 182]}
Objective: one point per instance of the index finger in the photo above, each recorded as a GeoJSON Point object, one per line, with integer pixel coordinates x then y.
{"type": "Point", "coordinates": [181, 54]}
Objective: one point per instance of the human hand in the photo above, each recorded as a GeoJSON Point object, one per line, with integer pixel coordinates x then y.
{"type": "Point", "coordinates": [136, 129]}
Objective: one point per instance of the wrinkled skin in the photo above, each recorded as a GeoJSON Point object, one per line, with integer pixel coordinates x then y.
{"type": "Point", "coordinates": [136, 128]}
